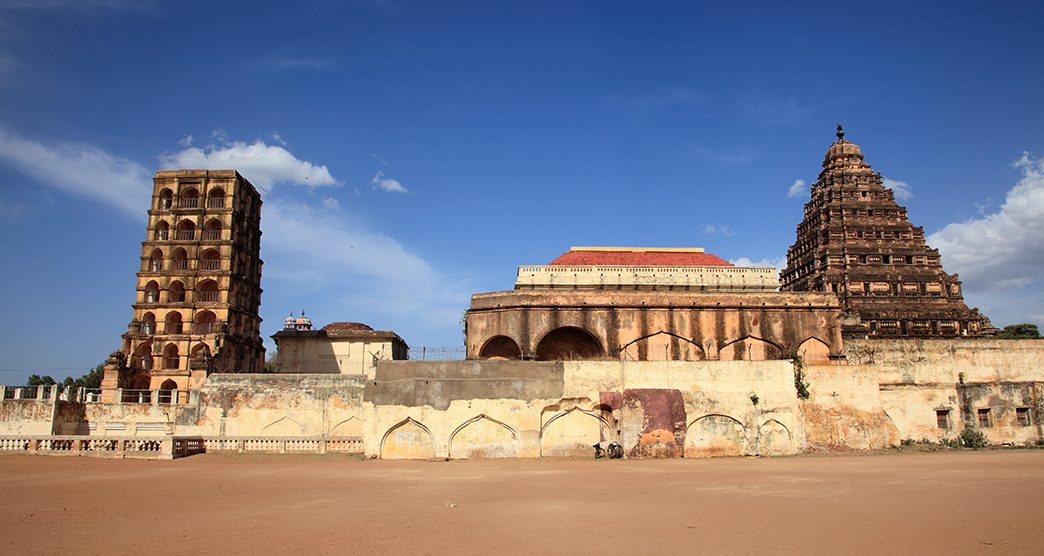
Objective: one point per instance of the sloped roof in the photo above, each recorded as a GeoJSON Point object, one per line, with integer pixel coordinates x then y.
{"type": "Point", "coordinates": [347, 326]}
{"type": "Point", "coordinates": [638, 256]}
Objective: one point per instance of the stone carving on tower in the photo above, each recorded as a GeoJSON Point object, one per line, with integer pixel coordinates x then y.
{"type": "Point", "coordinates": [857, 242]}
{"type": "Point", "coordinates": [199, 285]}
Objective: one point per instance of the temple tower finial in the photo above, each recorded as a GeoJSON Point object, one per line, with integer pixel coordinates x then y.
{"type": "Point", "coordinates": [840, 132]}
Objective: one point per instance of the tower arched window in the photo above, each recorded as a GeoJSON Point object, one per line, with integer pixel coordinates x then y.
{"type": "Point", "coordinates": [205, 323]}
{"type": "Point", "coordinates": [189, 198]}
{"type": "Point", "coordinates": [172, 324]}
{"type": "Point", "coordinates": [166, 199]}
{"type": "Point", "coordinates": [152, 292]}
{"type": "Point", "coordinates": [212, 230]}
{"type": "Point", "coordinates": [180, 261]}
{"type": "Point", "coordinates": [210, 260]}
{"type": "Point", "coordinates": [170, 357]}
{"type": "Point", "coordinates": [162, 230]}
{"type": "Point", "coordinates": [216, 198]}
{"type": "Point", "coordinates": [207, 292]}
{"type": "Point", "coordinates": [148, 324]}
{"type": "Point", "coordinates": [142, 357]}
{"type": "Point", "coordinates": [156, 260]}
{"type": "Point", "coordinates": [186, 230]}
{"type": "Point", "coordinates": [176, 292]}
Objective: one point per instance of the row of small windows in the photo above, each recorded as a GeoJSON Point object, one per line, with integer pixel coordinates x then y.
{"type": "Point", "coordinates": [984, 417]}
{"type": "Point", "coordinates": [187, 230]}
{"type": "Point", "coordinates": [209, 259]}
{"type": "Point", "coordinates": [171, 358]}
{"type": "Point", "coordinates": [205, 292]}
{"type": "Point", "coordinates": [204, 323]}
{"type": "Point", "coordinates": [190, 198]}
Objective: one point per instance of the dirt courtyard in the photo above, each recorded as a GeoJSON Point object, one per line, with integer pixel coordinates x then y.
{"type": "Point", "coordinates": [936, 503]}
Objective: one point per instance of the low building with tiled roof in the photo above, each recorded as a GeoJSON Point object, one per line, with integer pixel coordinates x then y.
{"type": "Point", "coordinates": [337, 348]}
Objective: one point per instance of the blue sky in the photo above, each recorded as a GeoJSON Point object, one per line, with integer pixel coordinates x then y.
{"type": "Point", "coordinates": [413, 153]}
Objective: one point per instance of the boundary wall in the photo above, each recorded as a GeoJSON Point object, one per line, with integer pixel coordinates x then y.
{"type": "Point", "coordinates": [890, 391]}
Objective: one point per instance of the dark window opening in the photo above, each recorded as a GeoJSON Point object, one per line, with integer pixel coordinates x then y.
{"type": "Point", "coordinates": [984, 418]}
{"type": "Point", "coordinates": [1022, 416]}
{"type": "Point", "coordinates": [942, 418]}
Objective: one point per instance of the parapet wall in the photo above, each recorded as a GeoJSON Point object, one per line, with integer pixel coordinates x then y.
{"type": "Point", "coordinates": [499, 408]}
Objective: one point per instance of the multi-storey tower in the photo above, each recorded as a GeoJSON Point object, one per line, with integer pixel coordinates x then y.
{"type": "Point", "coordinates": [857, 242]}
{"type": "Point", "coordinates": [199, 286]}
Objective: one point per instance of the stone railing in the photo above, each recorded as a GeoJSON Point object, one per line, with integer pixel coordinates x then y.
{"type": "Point", "coordinates": [97, 395]}
{"type": "Point", "coordinates": [160, 447]}
{"type": "Point", "coordinates": [283, 444]}
{"type": "Point", "coordinates": [708, 278]}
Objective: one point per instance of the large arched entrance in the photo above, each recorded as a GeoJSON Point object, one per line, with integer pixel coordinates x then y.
{"type": "Point", "coordinates": [568, 342]}
{"type": "Point", "coordinates": [501, 347]}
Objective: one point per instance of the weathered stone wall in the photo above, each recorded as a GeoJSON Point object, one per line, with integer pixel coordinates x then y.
{"type": "Point", "coordinates": [498, 408]}
{"type": "Point", "coordinates": [26, 417]}
{"type": "Point", "coordinates": [656, 325]}
{"type": "Point", "coordinates": [529, 409]}
{"type": "Point", "coordinates": [277, 405]}
{"type": "Point", "coordinates": [924, 361]}
{"type": "Point", "coordinates": [907, 388]}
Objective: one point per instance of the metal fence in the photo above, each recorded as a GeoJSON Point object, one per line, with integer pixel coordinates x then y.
{"type": "Point", "coordinates": [428, 353]}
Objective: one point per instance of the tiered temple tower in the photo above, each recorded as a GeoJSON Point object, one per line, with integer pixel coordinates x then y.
{"type": "Point", "coordinates": [199, 287]}
{"type": "Point", "coordinates": [857, 242]}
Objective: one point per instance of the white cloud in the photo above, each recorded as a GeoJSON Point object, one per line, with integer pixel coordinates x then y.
{"type": "Point", "coordinates": [80, 170]}
{"type": "Point", "coordinates": [777, 263]}
{"type": "Point", "coordinates": [722, 229]}
{"type": "Point", "coordinates": [78, 5]}
{"type": "Point", "coordinates": [331, 203]}
{"type": "Point", "coordinates": [1000, 256]}
{"type": "Point", "coordinates": [282, 62]}
{"type": "Point", "coordinates": [8, 64]}
{"type": "Point", "coordinates": [357, 267]}
{"type": "Point", "coordinates": [1005, 249]}
{"type": "Point", "coordinates": [735, 158]}
{"type": "Point", "coordinates": [901, 189]}
{"type": "Point", "coordinates": [797, 189]}
{"type": "Point", "coordinates": [10, 210]}
{"type": "Point", "coordinates": [387, 184]}
{"type": "Point", "coordinates": [186, 141]}
{"type": "Point", "coordinates": [263, 164]}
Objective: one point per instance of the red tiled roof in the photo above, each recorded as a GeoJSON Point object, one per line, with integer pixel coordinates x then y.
{"type": "Point", "coordinates": [347, 326]}
{"type": "Point", "coordinates": [638, 258]}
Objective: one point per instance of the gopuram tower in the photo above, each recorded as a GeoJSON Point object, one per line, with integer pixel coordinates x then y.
{"type": "Point", "coordinates": [199, 286]}
{"type": "Point", "coordinates": [857, 242]}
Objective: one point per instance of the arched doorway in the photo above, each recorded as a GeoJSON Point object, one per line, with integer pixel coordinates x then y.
{"type": "Point", "coordinates": [168, 392]}
{"type": "Point", "coordinates": [568, 342]}
{"type": "Point", "coordinates": [501, 347]}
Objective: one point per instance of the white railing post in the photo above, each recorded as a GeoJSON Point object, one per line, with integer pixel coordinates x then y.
{"type": "Point", "coordinates": [3, 392]}
{"type": "Point", "coordinates": [119, 396]}
{"type": "Point", "coordinates": [54, 392]}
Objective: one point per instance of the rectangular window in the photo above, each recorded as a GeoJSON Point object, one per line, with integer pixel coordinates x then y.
{"type": "Point", "coordinates": [942, 418]}
{"type": "Point", "coordinates": [984, 418]}
{"type": "Point", "coordinates": [1022, 416]}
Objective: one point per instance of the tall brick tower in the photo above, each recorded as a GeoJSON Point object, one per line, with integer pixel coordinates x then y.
{"type": "Point", "coordinates": [199, 287]}
{"type": "Point", "coordinates": [857, 242]}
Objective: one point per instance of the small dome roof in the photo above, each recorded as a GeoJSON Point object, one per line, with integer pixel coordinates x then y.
{"type": "Point", "coordinates": [845, 155]}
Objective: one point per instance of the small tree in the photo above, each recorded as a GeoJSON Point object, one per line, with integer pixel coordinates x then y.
{"type": "Point", "coordinates": [37, 380]}
{"type": "Point", "coordinates": [1024, 331]}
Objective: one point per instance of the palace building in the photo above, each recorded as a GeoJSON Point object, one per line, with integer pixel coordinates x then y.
{"type": "Point", "coordinates": [651, 304]}
{"type": "Point", "coordinates": [856, 242]}
{"type": "Point", "coordinates": [199, 285]}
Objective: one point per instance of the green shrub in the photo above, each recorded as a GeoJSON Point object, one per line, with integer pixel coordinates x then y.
{"type": "Point", "coordinates": [973, 438]}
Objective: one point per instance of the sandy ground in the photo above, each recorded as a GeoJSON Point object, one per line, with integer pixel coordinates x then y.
{"type": "Point", "coordinates": [932, 503]}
